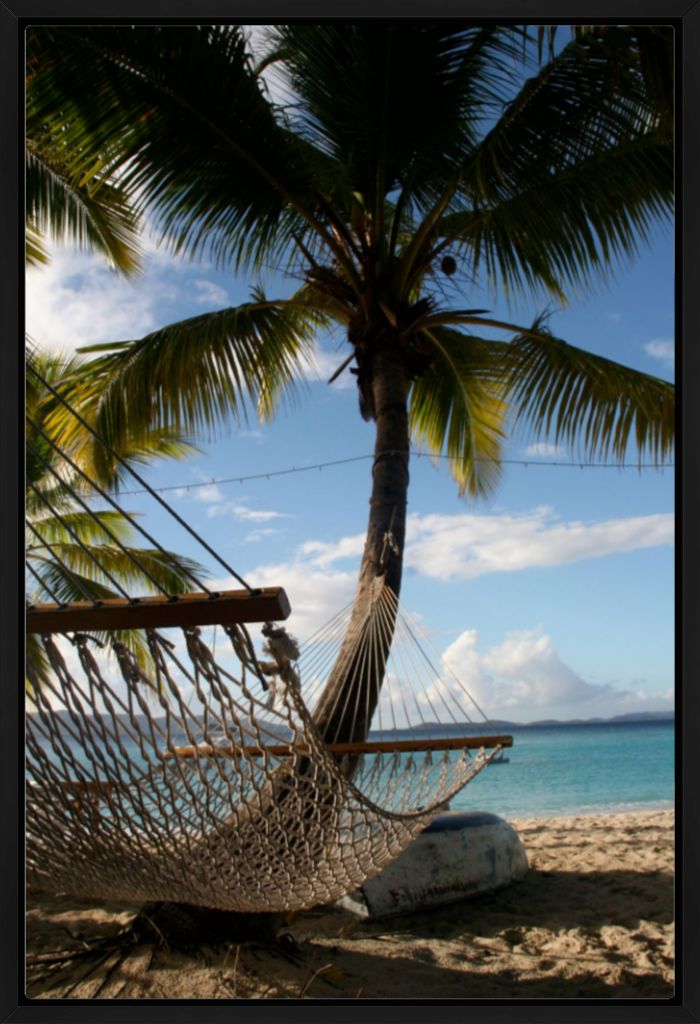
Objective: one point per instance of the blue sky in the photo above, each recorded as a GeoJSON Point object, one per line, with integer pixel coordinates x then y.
{"type": "Point", "coordinates": [553, 598]}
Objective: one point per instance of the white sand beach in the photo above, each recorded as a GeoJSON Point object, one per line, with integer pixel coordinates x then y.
{"type": "Point", "coordinates": [593, 917]}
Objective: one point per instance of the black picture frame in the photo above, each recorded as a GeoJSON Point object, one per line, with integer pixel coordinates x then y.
{"type": "Point", "coordinates": [685, 1005]}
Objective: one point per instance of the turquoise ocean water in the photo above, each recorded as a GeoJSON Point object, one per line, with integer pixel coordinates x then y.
{"type": "Point", "coordinates": [561, 770]}
{"type": "Point", "coordinates": [578, 769]}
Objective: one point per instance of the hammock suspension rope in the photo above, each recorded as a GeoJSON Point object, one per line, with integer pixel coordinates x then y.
{"type": "Point", "coordinates": [168, 772]}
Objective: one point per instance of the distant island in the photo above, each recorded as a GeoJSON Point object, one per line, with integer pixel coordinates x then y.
{"type": "Point", "coordinates": [425, 729]}
{"type": "Point", "coordinates": [502, 723]}
{"type": "Point", "coordinates": [634, 716]}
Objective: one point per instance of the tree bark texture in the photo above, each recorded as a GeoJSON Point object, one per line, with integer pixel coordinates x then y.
{"type": "Point", "coordinates": [347, 704]}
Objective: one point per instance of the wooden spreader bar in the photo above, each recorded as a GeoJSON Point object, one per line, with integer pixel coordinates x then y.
{"type": "Point", "coordinates": [94, 790]}
{"type": "Point", "coordinates": [268, 604]}
{"type": "Point", "coordinates": [370, 747]}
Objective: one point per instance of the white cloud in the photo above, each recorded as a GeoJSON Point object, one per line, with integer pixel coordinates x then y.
{"type": "Point", "coordinates": [211, 294]}
{"type": "Point", "coordinates": [547, 451]}
{"type": "Point", "coordinates": [275, 84]}
{"type": "Point", "coordinates": [256, 515]}
{"type": "Point", "coordinates": [462, 547]}
{"type": "Point", "coordinates": [528, 659]}
{"type": "Point", "coordinates": [211, 494]}
{"type": "Point", "coordinates": [322, 366]}
{"type": "Point", "coordinates": [524, 679]}
{"type": "Point", "coordinates": [240, 511]}
{"type": "Point", "coordinates": [77, 300]}
{"type": "Point", "coordinates": [256, 535]}
{"type": "Point", "coordinates": [614, 318]}
{"type": "Point", "coordinates": [662, 349]}
{"type": "Point", "coordinates": [466, 546]}
{"type": "Point", "coordinates": [208, 493]}
{"type": "Point", "coordinates": [315, 595]}
{"type": "Point", "coordinates": [463, 662]}
{"type": "Point", "coordinates": [325, 554]}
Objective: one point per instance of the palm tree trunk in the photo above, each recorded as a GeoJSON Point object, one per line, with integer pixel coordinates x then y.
{"type": "Point", "coordinates": [345, 708]}
{"type": "Point", "coordinates": [350, 697]}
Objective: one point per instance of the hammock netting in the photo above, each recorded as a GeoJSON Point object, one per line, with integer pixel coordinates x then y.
{"type": "Point", "coordinates": [203, 779]}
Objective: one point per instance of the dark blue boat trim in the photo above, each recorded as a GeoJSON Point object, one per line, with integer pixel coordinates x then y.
{"type": "Point", "coordinates": [458, 821]}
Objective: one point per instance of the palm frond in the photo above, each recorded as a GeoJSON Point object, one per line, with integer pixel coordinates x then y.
{"type": "Point", "coordinates": [67, 583]}
{"type": "Point", "coordinates": [394, 105]}
{"type": "Point", "coordinates": [74, 554]}
{"type": "Point", "coordinates": [91, 527]}
{"type": "Point", "coordinates": [196, 373]}
{"type": "Point", "coordinates": [574, 171]}
{"type": "Point", "coordinates": [457, 407]}
{"type": "Point", "coordinates": [35, 254]}
{"type": "Point", "coordinates": [77, 573]}
{"type": "Point", "coordinates": [567, 394]}
{"type": "Point", "coordinates": [561, 231]}
{"type": "Point", "coordinates": [96, 217]}
{"type": "Point", "coordinates": [397, 141]}
{"type": "Point", "coordinates": [178, 115]}
{"type": "Point", "coordinates": [57, 432]}
{"type": "Point", "coordinates": [46, 494]}
{"type": "Point", "coordinates": [589, 97]}
{"type": "Point", "coordinates": [108, 461]}
{"type": "Point", "coordinates": [77, 577]}
{"type": "Point", "coordinates": [37, 671]}
{"type": "Point", "coordinates": [656, 62]}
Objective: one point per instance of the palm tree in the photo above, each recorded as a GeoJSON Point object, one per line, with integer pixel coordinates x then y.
{"type": "Point", "coordinates": [387, 167]}
{"type": "Point", "coordinates": [61, 201]}
{"type": "Point", "coordinates": [94, 215]}
{"type": "Point", "coordinates": [74, 551]}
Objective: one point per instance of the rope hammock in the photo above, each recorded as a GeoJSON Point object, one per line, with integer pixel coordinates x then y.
{"type": "Point", "coordinates": [199, 775]}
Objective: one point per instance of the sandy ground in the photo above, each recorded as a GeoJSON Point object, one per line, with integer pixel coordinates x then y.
{"type": "Point", "coordinates": [593, 917]}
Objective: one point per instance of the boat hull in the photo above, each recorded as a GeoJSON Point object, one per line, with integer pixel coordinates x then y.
{"type": "Point", "coordinates": [457, 856]}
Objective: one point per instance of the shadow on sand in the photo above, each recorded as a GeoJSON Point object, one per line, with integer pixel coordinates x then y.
{"type": "Point", "coordinates": [540, 938]}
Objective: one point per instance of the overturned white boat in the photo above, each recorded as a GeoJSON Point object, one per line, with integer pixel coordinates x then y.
{"type": "Point", "coordinates": [458, 855]}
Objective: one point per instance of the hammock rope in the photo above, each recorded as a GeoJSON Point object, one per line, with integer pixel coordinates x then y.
{"type": "Point", "coordinates": [202, 778]}
{"type": "Point", "coordinates": [116, 808]}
